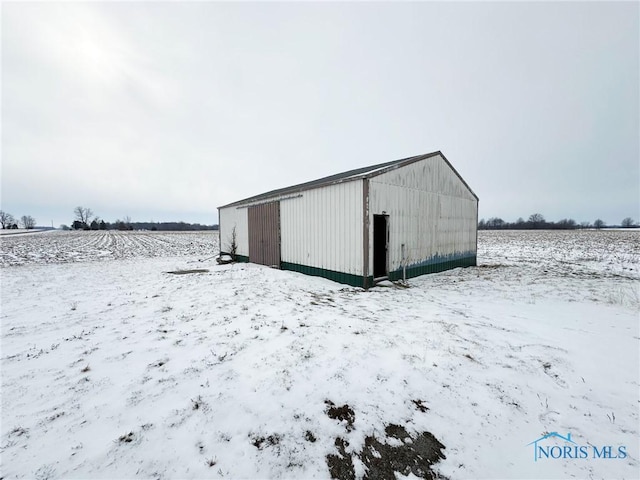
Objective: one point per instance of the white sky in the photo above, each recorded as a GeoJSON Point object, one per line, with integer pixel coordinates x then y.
{"type": "Point", "coordinates": [164, 111]}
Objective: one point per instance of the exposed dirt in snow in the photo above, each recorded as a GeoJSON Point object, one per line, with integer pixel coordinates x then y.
{"type": "Point", "coordinates": [397, 452]}
{"type": "Point", "coordinates": [187, 272]}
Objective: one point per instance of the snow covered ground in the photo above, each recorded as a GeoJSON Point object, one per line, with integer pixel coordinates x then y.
{"type": "Point", "coordinates": [113, 368]}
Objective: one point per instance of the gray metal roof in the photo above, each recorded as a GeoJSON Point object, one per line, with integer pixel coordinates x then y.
{"type": "Point", "coordinates": [348, 176]}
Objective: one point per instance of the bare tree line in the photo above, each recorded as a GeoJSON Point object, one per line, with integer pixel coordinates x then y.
{"type": "Point", "coordinates": [85, 219]}
{"type": "Point", "coordinates": [537, 221]}
{"type": "Point", "coordinates": [9, 221]}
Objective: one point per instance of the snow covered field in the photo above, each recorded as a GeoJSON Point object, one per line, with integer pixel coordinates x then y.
{"type": "Point", "coordinates": [79, 246]}
{"type": "Point", "coordinates": [113, 368]}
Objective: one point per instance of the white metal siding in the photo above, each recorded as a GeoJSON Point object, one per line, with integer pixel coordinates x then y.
{"type": "Point", "coordinates": [324, 228]}
{"type": "Point", "coordinates": [234, 217]}
{"type": "Point", "coordinates": [430, 210]}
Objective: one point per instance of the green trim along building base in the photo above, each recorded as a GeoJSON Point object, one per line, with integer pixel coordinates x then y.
{"type": "Point", "coordinates": [433, 265]}
{"type": "Point", "coordinates": [347, 278]}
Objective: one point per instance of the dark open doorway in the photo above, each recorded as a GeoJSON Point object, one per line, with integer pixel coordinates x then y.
{"type": "Point", "coordinates": [380, 237]}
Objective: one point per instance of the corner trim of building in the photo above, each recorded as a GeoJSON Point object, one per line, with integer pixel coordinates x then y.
{"type": "Point", "coordinates": [367, 280]}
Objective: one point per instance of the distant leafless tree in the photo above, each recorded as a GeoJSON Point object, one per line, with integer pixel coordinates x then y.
{"type": "Point", "coordinates": [6, 219]}
{"type": "Point", "coordinates": [536, 220]}
{"type": "Point", "coordinates": [599, 224]}
{"type": "Point", "coordinates": [495, 222]}
{"type": "Point", "coordinates": [628, 222]}
{"type": "Point", "coordinates": [83, 215]}
{"type": "Point", "coordinates": [28, 221]}
{"type": "Point", "coordinates": [566, 224]}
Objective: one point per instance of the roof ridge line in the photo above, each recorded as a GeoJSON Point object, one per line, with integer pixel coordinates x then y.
{"type": "Point", "coordinates": [356, 173]}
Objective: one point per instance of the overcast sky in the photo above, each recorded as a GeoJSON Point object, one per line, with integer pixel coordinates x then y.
{"type": "Point", "coordinates": [165, 111]}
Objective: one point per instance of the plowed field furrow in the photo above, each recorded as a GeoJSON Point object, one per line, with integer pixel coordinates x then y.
{"type": "Point", "coordinates": [66, 247]}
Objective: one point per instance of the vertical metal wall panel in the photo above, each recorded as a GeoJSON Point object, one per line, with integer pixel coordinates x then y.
{"type": "Point", "coordinates": [264, 234]}
{"type": "Point", "coordinates": [231, 217]}
{"type": "Point", "coordinates": [430, 210]}
{"type": "Point", "coordinates": [323, 228]}
{"type": "Point", "coordinates": [255, 235]}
